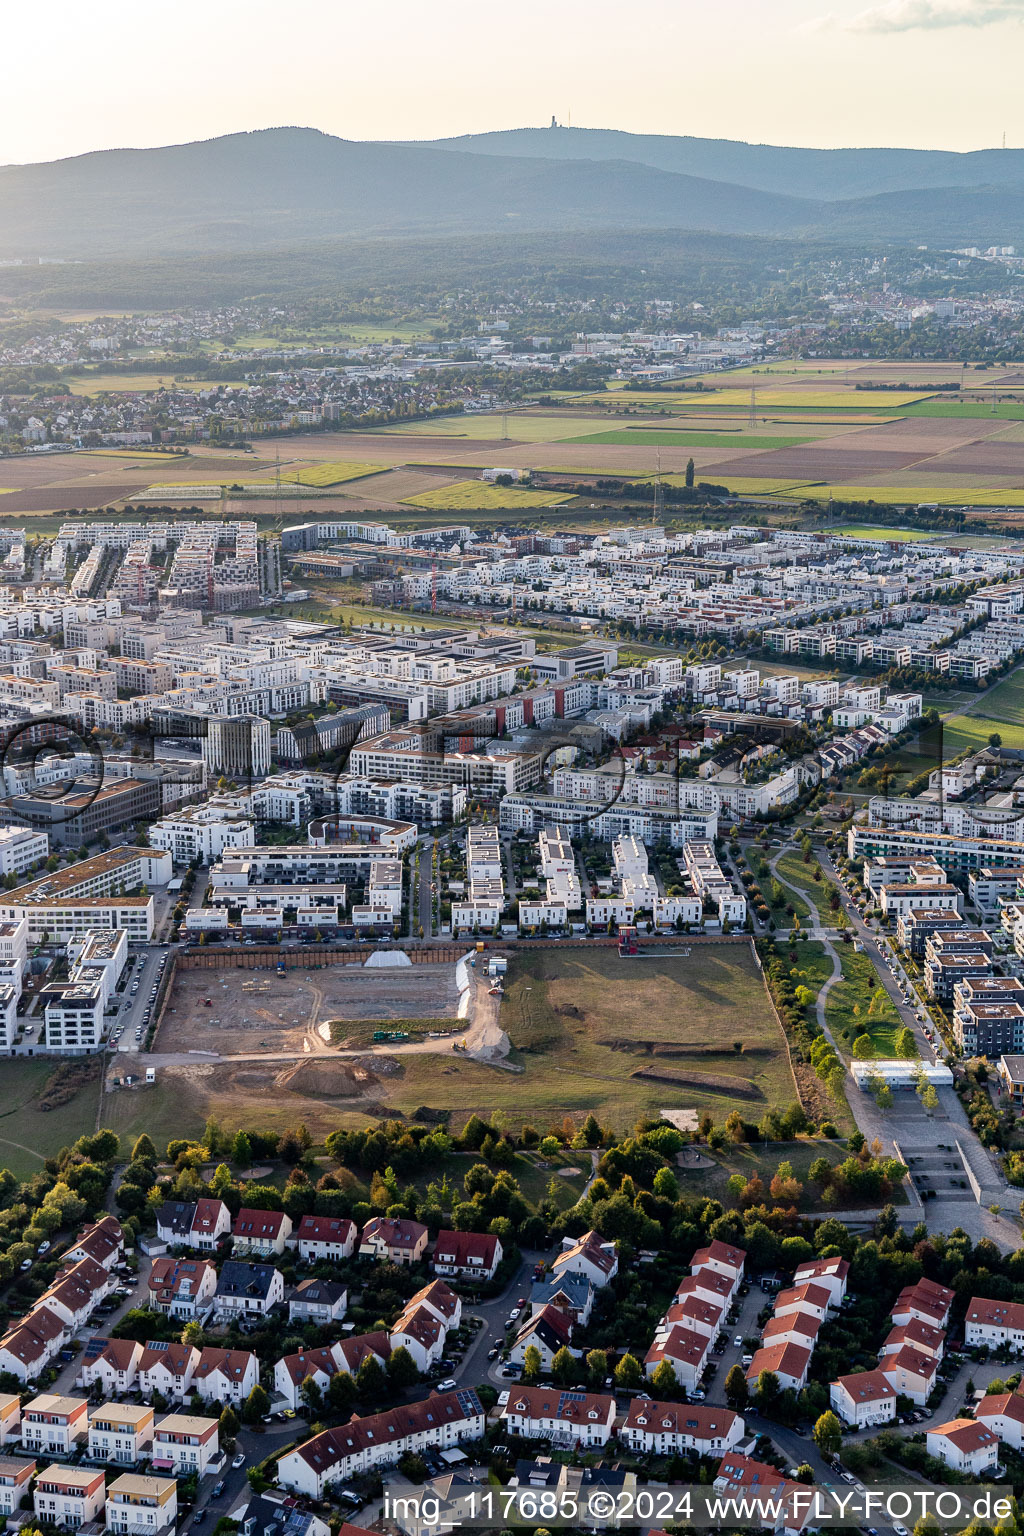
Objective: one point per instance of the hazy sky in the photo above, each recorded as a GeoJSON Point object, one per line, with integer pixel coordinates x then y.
{"type": "Point", "coordinates": [928, 73]}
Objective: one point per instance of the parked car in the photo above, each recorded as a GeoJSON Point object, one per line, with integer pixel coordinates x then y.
{"type": "Point", "coordinates": [448, 1385]}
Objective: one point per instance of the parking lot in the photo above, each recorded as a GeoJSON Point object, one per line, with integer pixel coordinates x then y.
{"type": "Point", "coordinates": [136, 1003]}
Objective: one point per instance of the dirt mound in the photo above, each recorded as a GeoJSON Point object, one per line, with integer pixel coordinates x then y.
{"type": "Point", "coordinates": [714, 1082]}
{"type": "Point", "coordinates": [326, 1079]}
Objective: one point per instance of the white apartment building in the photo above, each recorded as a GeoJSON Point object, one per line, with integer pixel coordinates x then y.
{"type": "Point", "coordinates": [22, 849]}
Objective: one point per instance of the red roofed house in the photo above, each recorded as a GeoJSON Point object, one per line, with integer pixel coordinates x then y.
{"type": "Point", "coordinates": [554, 1413]}
{"type": "Point", "coordinates": [804, 1298]}
{"type": "Point", "coordinates": [703, 1317]}
{"type": "Point", "coordinates": [589, 1256]}
{"type": "Point", "coordinates": [114, 1363]}
{"type": "Point", "coordinates": [326, 1237]}
{"type": "Point", "coordinates": [796, 1327]}
{"type": "Point", "coordinates": [167, 1368]}
{"type": "Point", "coordinates": [467, 1255]}
{"type": "Point", "coordinates": [685, 1351]}
{"type": "Point", "coordinates": [709, 1285]}
{"type": "Point", "coordinates": [182, 1288]}
{"type": "Point", "coordinates": [225, 1375]}
{"type": "Point", "coordinates": [928, 1302]}
{"type": "Point", "coordinates": [422, 1333]}
{"type": "Point", "coordinates": [211, 1222]}
{"type": "Point", "coordinates": [790, 1363]}
{"type": "Point", "coordinates": [922, 1336]}
{"type": "Point", "coordinates": [994, 1323]}
{"type": "Point", "coordinates": [386, 1237]}
{"type": "Point", "coordinates": [102, 1241]}
{"type": "Point", "coordinates": [441, 1422]}
{"type": "Point", "coordinates": [911, 1373]}
{"type": "Point", "coordinates": [667, 1429]}
{"type": "Point", "coordinates": [964, 1445]}
{"type": "Point", "coordinates": [830, 1273]}
{"type": "Point", "coordinates": [547, 1331]}
{"type": "Point", "coordinates": [723, 1258]}
{"type": "Point", "coordinates": [1003, 1413]}
{"type": "Point", "coordinates": [754, 1481]}
{"type": "Point", "coordinates": [262, 1232]}
{"type": "Point", "coordinates": [866, 1397]}
{"type": "Point", "coordinates": [32, 1343]}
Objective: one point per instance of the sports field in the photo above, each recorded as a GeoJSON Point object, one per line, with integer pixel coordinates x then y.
{"type": "Point", "coordinates": [466, 495]}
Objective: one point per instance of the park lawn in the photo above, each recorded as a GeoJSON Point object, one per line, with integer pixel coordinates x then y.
{"type": "Point", "coordinates": [762, 1158]}
{"type": "Point", "coordinates": [1005, 701]}
{"type": "Point", "coordinates": [971, 732]}
{"type": "Point", "coordinates": [29, 1134]}
{"type": "Point", "coordinates": [467, 495]}
{"type": "Point", "coordinates": [792, 869]}
{"type": "Point", "coordinates": [859, 982]}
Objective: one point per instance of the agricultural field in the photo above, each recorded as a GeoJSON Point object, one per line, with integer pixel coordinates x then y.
{"type": "Point", "coordinates": [332, 472]}
{"type": "Point", "coordinates": [141, 383]}
{"type": "Point", "coordinates": [890, 496]}
{"type": "Point", "coordinates": [689, 1030]}
{"type": "Point", "coordinates": [684, 437]}
{"type": "Point", "coordinates": [467, 495]}
{"type": "Point", "coordinates": [528, 427]}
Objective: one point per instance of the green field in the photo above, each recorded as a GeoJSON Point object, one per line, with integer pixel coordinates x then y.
{"type": "Point", "coordinates": [792, 869]}
{"type": "Point", "coordinates": [1010, 410]}
{"type": "Point", "coordinates": [583, 1024]}
{"type": "Point", "coordinates": [912, 495]}
{"type": "Point", "coordinates": [859, 982]}
{"type": "Point", "coordinates": [1004, 702]}
{"type": "Point", "coordinates": [893, 535]}
{"type": "Point", "coordinates": [972, 732]}
{"type": "Point", "coordinates": [467, 495]}
{"type": "Point", "coordinates": [29, 1134]}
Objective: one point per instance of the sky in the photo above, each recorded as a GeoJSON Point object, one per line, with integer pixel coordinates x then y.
{"type": "Point", "coordinates": [940, 74]}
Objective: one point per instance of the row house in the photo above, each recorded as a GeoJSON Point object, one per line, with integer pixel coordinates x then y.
{"type": "Point", "coordinates": [261, 1232]}
{"type": "Point", "coordinates": [676, 1429]}
{"type": "Point", "coordinates": [589, 1256]}
{"type": "Point", "coordinates": [441, 1422]}
{"type": "Point", "coordinates": [113, 1363]}
{"type": "Point", "coordinates": [547, 1331]}
{"type": "Point", "coordinates": [573, 1295]}
{"type": "Point", "coordinates": [565, 1417]}
{"type": "Point", "coordinates": [320, 1364]}
{"type": "Point", "coordinates": [789, 1362]}
{"type": "Point", "coordinates": [247, 1290]}
{"type": "Point", "coordinates": [166, 1367]}
{"type": "Point", "coordinates": [318, 1301]}
{"type": "Point", "coordinates": [225, 1375]}
{"type": "Point", "coordinates": [864, 1398]}
{"type": "Point", "coordinates": [965, 1445]}
{"type": "Point", "coordinates": [15, 1483]}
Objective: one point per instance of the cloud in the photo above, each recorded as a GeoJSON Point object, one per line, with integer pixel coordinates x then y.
{"type": "Point", "coordinates": [925, 16]}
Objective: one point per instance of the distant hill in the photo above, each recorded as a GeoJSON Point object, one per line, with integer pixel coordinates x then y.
{"type": "Point", "coordinates": [283, 187]}
{"type": "Point", "coordinates": [828, 174]}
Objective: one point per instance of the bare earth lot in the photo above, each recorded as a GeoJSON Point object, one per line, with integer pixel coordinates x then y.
{"type": "Point", "coordinates": [252, 1012]}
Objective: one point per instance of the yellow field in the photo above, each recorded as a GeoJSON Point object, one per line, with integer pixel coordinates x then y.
{"type": "Point", "coordinates": [478, 495]}
{"type": "Point", "coordinates": [889, 495]}
{"type": "Point", "coordinates": [332, 472]}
